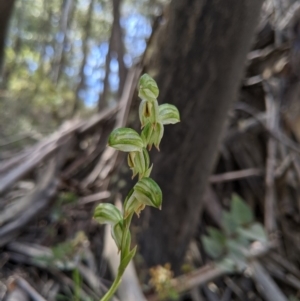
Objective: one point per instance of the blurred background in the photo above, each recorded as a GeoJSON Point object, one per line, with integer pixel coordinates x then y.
{"type": "Point", "coordinates": [229, 228]}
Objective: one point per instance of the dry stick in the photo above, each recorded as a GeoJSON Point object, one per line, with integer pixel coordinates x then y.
{"type": "Point", "coordinates": [270, 197]}
{"type": "Point", "coordinates": [196, 278]}
{"type": "Point", "coordinates": [235, 175]}
{"type": "Point", "coordinates": [278, 135]}
{"type": "Point", "coordinates": [17, 294]}
{"type": "Point", "coordinates": [210, 272]}
{"type": "Point", "coordinates": [29, 254]}
{"type": "Point", "coordinates": [276, 271]}
{"type": "Point", "coordinates": [235, 288]}
{"type": "Point", "coordinates": [296, 165]}
{"type": "Point", "coordinates": [24, 285]}
{"type": "Point", "coordinates": [17, 167]}
{"type": "Point", "coordinates": [94, 198]}
{"type": "Point", "coordinates": [265, 284]}
{"type": "Point", "coordinates": [283, 168]}
{"type": "Point", "coordinates": [40, 197]}
{"type": "Point", "coordinates": [285, 264]}
{"type": "Point", "coordinates": [41, 152]}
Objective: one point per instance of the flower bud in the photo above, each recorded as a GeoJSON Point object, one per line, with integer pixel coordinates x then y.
{"type": "Point", "coordinates": [147, 133]}
{"type": "Point", "coordinates": [106, 213]}
{"type": "Point", "coordinates": [109, 214]}
{"type": "Point", "coordinates": [148, 192]}
{"type": "Point", "coordinates": [157, 135]}
{"type": "Point", "coordinates": [168, 114]}
{"type": "Point", "coordinates": [148, 88]}
{"type": "Point", "coordinates": [126, 140]}
{"type": "Point", "coordinates": [139, 162]}
{"type": "Point", "coordinates": [143, 112]}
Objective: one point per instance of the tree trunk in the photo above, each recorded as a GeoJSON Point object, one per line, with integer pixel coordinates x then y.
{"type": "Point", "coordinates": [85, 51]}
{"type": "Point", "coordinates": [116, 47]}
{"type": "Point", "coordinates": [198, 64]}
{"type": "Point", "coordinates": [6, 7]}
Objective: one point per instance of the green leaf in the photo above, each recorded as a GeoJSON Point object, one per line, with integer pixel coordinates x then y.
{"type": "Point", "coordinates": [168, 114]}
{"type": "Point", "coordinates": [212, 247]}
{"type": "Point", "coordinates": [125, 261]}
{"type": "Point", "coordinates": [107, 214]}
{"type": "Point", "coordinates": [147, 87]}
{"type": "Point", "coordinates": [117, 233]}
{"type": "Point", "coordinates": [235, 249]}
{"type": "Point", "coordinates": [229, 224]}
{"type": "Point", "coordinates": [126, 140]}
{"type": "Point", "coordinates": [148, 192]}
{"type": "Point", "coordinates": [240, 211]}
{"type": "Point", "coordinates": [126, 244]}
{"type": "Point", "coordinates": [217, 235]}
{"type": "Point", "coordinates": [254, 232]}
{"type": "Point", "coordinates": [227, 265]}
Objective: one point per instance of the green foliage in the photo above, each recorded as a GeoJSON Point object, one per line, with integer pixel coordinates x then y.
{"type": "Point", "coordinates": [230, 245]}
{"type": "Point", "coordinates": [146, 191]}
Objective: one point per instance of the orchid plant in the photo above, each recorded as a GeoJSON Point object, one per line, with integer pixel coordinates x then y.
{"type": "Point", "coordinates": [153, 118]}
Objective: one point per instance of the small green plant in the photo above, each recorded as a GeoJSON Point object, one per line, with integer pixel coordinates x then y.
{"type": "Point", "coordinates": [230, 245]}
{"type": "Point", "coordinates": [146, 191]}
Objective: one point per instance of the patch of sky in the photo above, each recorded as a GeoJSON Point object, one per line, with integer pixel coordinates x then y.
{"type": "Point", "coordinates": [98, 8]}
{"type": "Point", "coordinates": [99, 87]}
{"type": "Point", "coordinates": [103, 48]}
{"type": "Point", "coordinates": [99, 74]}
{"type": "Point", "coordinates": [70, 71]}
{"type": "Point", "coordinates": [114, 65]}
{"type": "Point", "coordinates": [49, 50]}
{"type": "Point", "coordinates": [59, 37]}
{"type": "Point", "coordinates": [89, 97]}
{"type": "Point", "coordinates": [91, 81]}
{"type": "Point", "coordinates": [92, 60]}
{"type": "Point", "coordinates": [88, 70]}
{"type": "Point", "coordinates": [32, 65]}
{"type": "Point", "coordinates": [83, 4]}
{"type": "Point", "coordinates": [114, 82]}
{"type": "Point", "coordinates": [127, 60]}
{"type": "Point", "coordinates": [77, 42]}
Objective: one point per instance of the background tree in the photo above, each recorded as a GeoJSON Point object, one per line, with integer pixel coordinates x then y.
{"type": "Point", "coordinates": [6, 8]}
{"type": "Point", "coordinates": [198, 63]}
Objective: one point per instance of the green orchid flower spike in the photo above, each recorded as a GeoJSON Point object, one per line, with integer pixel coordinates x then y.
{"type": "Point", "coordinates": [146, 191]}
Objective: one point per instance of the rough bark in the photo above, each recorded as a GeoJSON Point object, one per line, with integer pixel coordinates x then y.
{"type": "Point", "coordinates": [198, 65]}
{"type": "Point", "coordinates": [6, 7]}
